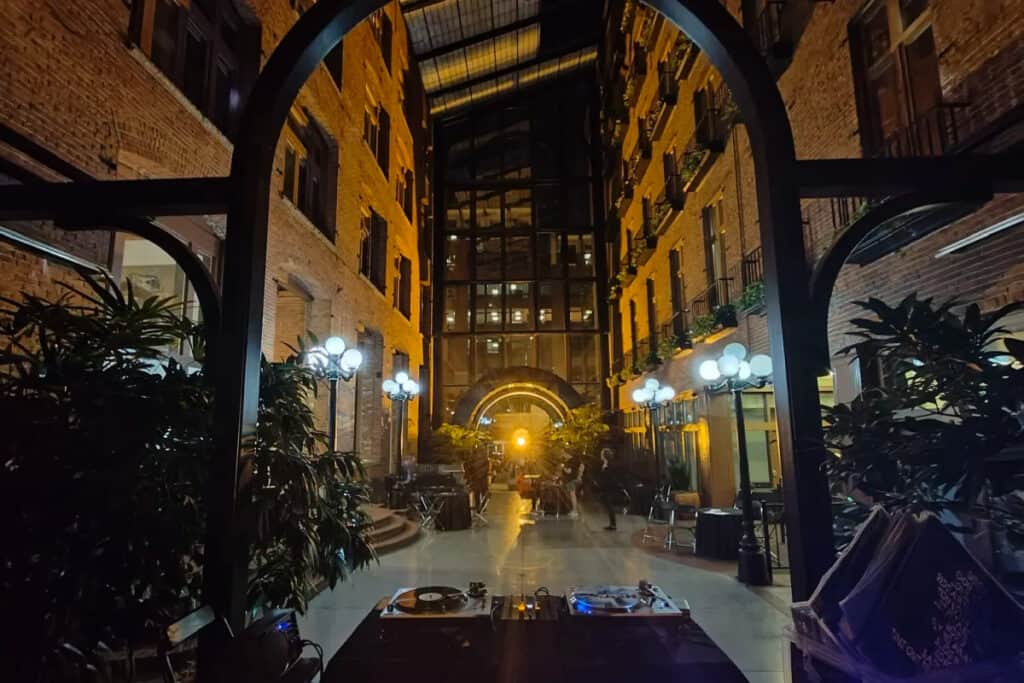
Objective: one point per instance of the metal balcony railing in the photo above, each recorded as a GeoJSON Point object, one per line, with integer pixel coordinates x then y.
{"type": "Point", "coordinates": [652, 22]}
{"type": "Point", "coordinates": [718, 294]}
{"type": "Point", "coordinates": [676, 327]}
{"type": "Point", "coordinates": [846, 210]}
{"type": "Point", "coordinates": [682, 57]}
{"type": "Point", "coordinates": [753, 267]}
{"type": "Point", "coordinates": [936, 133]}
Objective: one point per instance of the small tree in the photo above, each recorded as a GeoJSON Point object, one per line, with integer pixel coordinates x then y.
{"type": "Point", "coordinates": [581, 432]}
{"type": "Point", "coordinates": [952, 403]}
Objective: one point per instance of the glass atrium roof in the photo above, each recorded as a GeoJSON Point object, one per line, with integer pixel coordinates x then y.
{"type": "Point", "coordinates": [472, 50]}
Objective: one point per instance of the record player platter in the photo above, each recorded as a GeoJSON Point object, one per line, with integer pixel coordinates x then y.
{"type": "Point", "coordinates": [608, 599]}
{"type": "Point", "coordinates": [430, 600]}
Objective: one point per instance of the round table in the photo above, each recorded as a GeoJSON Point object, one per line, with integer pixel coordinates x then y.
{"type": "Point", "coordinates": [718, 533]}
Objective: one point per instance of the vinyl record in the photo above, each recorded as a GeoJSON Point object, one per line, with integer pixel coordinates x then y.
{"type": "Point", "coordinates": [431, 600]}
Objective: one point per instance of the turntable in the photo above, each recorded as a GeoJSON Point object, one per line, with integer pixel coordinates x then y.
{"type": "Point", "coordinates": [617, 601]}
{"type": "Point", "coordinates": [437, 601]}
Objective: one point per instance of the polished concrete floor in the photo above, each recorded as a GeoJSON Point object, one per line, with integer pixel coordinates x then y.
{"type": "Point", "coordinates": [514, 553]}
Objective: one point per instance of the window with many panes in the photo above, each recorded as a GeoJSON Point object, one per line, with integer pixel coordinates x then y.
{"type": "Point", "coordinates": [373, 248]}
{"type": "Point", "coordinates": [897, 78]}
{"type": "Point", "coordinates": [377, 134]}
{"type": "Point", "coordinates": [207, 48]}
{"type": "Point", "coordinates": [404, 192]}
{"type": "Point", "coordinates": [310, 173]}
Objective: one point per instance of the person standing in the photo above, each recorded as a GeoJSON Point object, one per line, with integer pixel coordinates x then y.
{"type": "Point", "coordinates": [608, 485]}
{"type": "Point", "coordinates": [572, 476]}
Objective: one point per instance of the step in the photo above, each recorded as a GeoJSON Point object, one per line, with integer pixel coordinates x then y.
{"type": "Point", "coordinates": [392, 526]}
{"type": "Point", "coordinates": [409, 533]}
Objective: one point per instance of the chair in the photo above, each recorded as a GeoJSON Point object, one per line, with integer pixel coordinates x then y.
{"type": "Point", "coordinates": [428, 505]}
{"type": "Point", "coordinates": [180, 633]}
{"type": "Point", "coordinates": [480, 508]}
{"type": "Point", "coordinates": [666, 507]}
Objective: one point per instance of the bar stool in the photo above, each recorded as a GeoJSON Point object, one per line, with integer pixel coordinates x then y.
{"type": "Point", "coordinates": [666, 507]}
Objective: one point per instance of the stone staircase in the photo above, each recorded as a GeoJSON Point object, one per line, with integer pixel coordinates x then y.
{"type": "Point", "coordinates": [391, 530]}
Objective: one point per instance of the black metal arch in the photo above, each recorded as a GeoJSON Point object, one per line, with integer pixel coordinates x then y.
{"type": "Point", "coordinates": [826, 270]}
{"type": "Point", "coordinates": [731, 51]}
{"type": "Point", "coordinates": [516, 381]}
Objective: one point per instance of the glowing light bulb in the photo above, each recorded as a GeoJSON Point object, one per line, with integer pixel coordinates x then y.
{"type": "Point", "coordinates": [709, 371]}
{"type": "Point", "coordinates": [335, 346]}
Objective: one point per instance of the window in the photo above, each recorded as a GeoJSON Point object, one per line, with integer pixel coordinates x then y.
{"type": "Point", "coordinates": [458, 211]}
{"type": "Point", "coordinates": [519, 306]}
{"type": "Point", "coordinates": [380, 24]}
{"type": "Point", "coordinates": [404, 286]}
{"type": "Point", "coordinates": [551, 306]}
{"type": "Point", "coordinates": [897, 75]}
{"type": "Point", "coordinates": [456, 257]}
{"type": "Point", "coordinates": [404, 192]}
{"type": "Point", "coordinates": [335, 63]}
{"type": "Point", "coordinates": [373, 249]}
{"type": "Point", "coordinates": [582, 305]}
{"type": "Point", "coordinates": [652, 314]}
{"type": "Point", "coordinates": [580, 255]}
{"type": "Point", "coordinates": [675, 273]}
{"type": "Point", "coordinates": [377, 135]}
{"type": "Point", "coordinates": [489, 308]}
{"type": "Point", "coordinates": [207, 49]}
{"type": "Point", "coordinates": [456, 309]}
{"type": "Point", "coordinates": [714, 248]}
{"type": "Point", "coordinates": [310, 174]}
{"type": "Point", "coordinates": [291, 320]}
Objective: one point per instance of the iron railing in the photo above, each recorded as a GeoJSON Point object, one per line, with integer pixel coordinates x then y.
{"type": "Point", "coordinates": [641, 157]}
{"type": "Point", "coordinates": [677, 326]}
{"type": "Point", "coordinates": [682, 57]}
{"type": "Point", "coordinates": [846, 210]}
{"type": "Point", "coordinates": [936, 133]}
{"type": "Point", "coordinates": [753, 267]}
{"type": "Point", "coordinates": [716, 295]}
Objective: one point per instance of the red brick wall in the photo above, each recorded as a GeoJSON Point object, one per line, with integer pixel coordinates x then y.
{"type": "Point", "coordinates": [71, 82]}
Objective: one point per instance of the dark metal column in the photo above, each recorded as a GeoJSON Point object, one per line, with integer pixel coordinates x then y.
{"type": "Point", "coordinates": [795, 346]}
{"type": "Point", "coordinates": [296, 57]}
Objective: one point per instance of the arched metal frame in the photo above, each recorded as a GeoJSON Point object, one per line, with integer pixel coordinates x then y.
{"type": "Point", "coordinates": [796, 325]}
{"type": "Point", "coordinates": [731, 51]}
{"type": "Point", "coordinates": [541, 384]}
{"type": "Point", "coordinates": [548, 403]}
{"type": "Point", "coordinates": [826, 270]}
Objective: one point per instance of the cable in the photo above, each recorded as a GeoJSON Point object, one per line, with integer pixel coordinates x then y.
{"type": "Point", "coordinates": [319, 653]}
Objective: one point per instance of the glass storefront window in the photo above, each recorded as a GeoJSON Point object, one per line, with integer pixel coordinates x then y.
{"type": "Point", "coordinates": [488, 309]}
{"type": "Point", "coordinates": [584, 365]}
{"type": "Point", "coordinates": [488, 258]}
{"type": "Point", "coordinates": [518, 209]}
{"type": "Point", "coordinates": [456, 257]}
{"type": "Point", "coordinates": [519, 306]}
{"type": "Point", "coordinates": [549, 254]}
{"type": "Point", "coordinates": [488, 209]}
{"type": "Point", "coordinates": [579, 254]}
{"type": "Point", "coordinates": [582, 305]}
{"type": "Point", "coordinates": [551, 353]}
{"type": "Point", "coordinates": [456, 309]}
{"type": "Point", "coordinates": [456, 355]}
{"type": "Point", "coordinates": [551, 305]}
{"type": "Point", "coordinates": [489, 355]}
{"type": "Point", "coordinates": [520, 351]}
{"type": "Point", "coordinates": [458, 210]}
{"type": "Point", "coordinates": [518, 263]}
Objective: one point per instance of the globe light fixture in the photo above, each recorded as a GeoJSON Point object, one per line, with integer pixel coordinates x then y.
{"type": "Point", "coordinates": [733, 372]}
{"type": "Point", "coordinates": [333, 361]}
{"type": "Point", "coordinates": [400, 390]}
{"type": "Point", "coordinates": [651, 397]}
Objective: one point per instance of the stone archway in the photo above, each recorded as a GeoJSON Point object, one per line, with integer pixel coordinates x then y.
{"type": "Point", "coordinates": [551, 391]}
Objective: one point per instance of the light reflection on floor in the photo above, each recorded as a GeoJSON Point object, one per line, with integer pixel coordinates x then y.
{"type": "Point", "coordinates": [515, 553]}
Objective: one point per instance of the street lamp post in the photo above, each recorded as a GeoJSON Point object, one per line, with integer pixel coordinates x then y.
{"type": "Point", "coordinates": [400, 390]}
{"type": "Point", "coordinates": [651, 397]}
{"type": "Point", "coordinates": [333, 362]}
{"type": "Point", "coordinates": [733, 372]}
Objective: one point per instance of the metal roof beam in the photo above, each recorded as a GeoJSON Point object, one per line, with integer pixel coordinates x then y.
{"type": "Point", "coordinates": [509, 70]}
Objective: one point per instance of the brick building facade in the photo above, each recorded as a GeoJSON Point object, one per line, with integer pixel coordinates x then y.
{"type": "Point", "coordinates": [859, 78]}
{"type": "Point", "coordinates": [152, 88]}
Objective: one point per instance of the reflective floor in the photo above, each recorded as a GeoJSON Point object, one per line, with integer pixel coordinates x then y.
{"type": "Point", "coordinates": [513, 554]}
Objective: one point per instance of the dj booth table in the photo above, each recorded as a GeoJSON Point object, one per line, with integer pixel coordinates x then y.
{"type": "Point", "coordinates": [560, 650]}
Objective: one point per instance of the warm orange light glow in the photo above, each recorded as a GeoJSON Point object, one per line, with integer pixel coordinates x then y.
{"type": "Point", "coordinates": [521, 437]}
{"type": "Point", "coordinates": [520, 441]}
